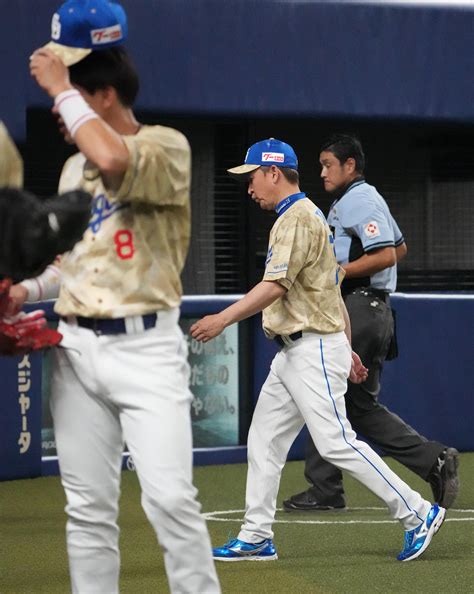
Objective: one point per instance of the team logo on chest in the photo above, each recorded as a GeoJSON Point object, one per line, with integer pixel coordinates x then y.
{"type": "Point", "coordinates": [101, 210]}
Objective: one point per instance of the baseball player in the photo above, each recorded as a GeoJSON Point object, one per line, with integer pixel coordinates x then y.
{"type": "Point", "coordinates": [122, 371]}
{"type": "Point", "coordinates": [368, 242]}
{"type": "Point", "coordinates": [304, 312]}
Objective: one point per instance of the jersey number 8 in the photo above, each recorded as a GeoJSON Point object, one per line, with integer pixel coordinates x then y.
{"type": "Point", "coordinates": [123, 240]}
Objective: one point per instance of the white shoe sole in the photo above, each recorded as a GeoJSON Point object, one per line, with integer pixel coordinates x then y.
{"type": "Point", "coordinates": [246, 558]}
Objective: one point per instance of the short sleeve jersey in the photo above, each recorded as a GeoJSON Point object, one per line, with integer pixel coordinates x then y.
{"type": "Point", "coordinates": [362, 222]}
{"type": "Point", "coordinates": [301, 258]}
{"type": "Point", "coordinates": [11, 164]}
{"type": "Point", "coordinates": [131, 256]}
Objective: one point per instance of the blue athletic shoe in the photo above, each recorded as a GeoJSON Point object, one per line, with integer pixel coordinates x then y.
{"type": "Point", "coordinates": [238, 550]}
{"type": "Point", "coordinates": [418, 540]}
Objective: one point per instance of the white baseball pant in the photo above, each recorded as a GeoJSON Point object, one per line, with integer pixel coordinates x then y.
{"type": "Point", "coordinates": [132, 387]}
{"type": "Point", "coordinates": [306, 384]}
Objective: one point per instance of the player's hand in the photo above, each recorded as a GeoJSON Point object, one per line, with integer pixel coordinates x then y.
{"type": "Point", "coordinates": [17, 296]}
{"type": "Point", "coordinates": [26, 323]}
{"type": "Point", "coordinates": [207, 328]}
{"type": "Point", "coordinates": [358, 373]}
{"type": "Point", "coordinates": [49, 72]}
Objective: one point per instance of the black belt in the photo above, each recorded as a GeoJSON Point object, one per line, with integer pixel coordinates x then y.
{"type": "Point", "coordinates": [113, 326]}
{"type": "Point", "coordinates": [292, 337]}
{"type": "Point", "coordinates": [379, 293]}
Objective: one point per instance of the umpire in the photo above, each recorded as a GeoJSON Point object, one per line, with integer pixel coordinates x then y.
{"type": "Point", "coordinates": [368, 244]}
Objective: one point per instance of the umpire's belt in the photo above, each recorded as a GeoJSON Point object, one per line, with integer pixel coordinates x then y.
{"type": "Point", "coordinates": [129, 325]}
{"type": "Point", "coordinates": [371, 292]}
{"type": "Point", "coordinates": [289, 339]}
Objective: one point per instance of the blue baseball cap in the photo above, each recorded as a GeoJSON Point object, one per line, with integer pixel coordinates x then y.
{"type": "Point", "coordinates": [80, 26]}
{"type": "Point", "coordinates": [266, 153]}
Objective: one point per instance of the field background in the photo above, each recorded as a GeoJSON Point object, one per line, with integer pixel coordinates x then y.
{"type": "Point", "coordinates": [331, 553]}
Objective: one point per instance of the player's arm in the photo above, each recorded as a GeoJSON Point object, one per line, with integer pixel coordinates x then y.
{"type": "Point", "coordinates": [371, 262]}
{"type": "Point", "coordinates": [401, 251]}
{"type": "Point", "coordinates": [101, 145]}
{"type": "Point", "coordinates": [43, 287]}
{"type": "Point", "coordinates": [105, 148]}
{"type": "Point", "coordinates": [258, 298]}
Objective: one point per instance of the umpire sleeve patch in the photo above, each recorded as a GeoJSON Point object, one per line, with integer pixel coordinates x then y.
{"type": "Point", "coordinates": [371, 229]}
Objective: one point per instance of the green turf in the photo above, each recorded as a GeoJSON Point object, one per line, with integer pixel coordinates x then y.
{"type": "Point", "coordinates": [328, 558]}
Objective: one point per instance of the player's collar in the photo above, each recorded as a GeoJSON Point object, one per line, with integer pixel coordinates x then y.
{"type": "Point", "coordinates": [285, 204]}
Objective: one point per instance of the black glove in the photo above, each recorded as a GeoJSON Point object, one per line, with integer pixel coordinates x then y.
{"type": "Point", "coordinates": [33, 231]}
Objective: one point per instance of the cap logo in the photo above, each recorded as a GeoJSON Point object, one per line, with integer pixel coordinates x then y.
{"type": "Point", "coordinates": [275, 157]}
{"type": "Point", "coordinates": [55, 27]}
{"type": "Point", "coordinates": [106, 35]}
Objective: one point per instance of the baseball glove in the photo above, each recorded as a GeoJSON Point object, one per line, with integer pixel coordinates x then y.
{"type": "Point", "coordinates": [33, 231]}
{"type": "Point", "coordinates": [24, 332]}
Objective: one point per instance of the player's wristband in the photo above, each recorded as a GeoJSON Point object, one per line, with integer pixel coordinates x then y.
{"type": "Point", "coordinates": [74, 110]}
{"type": "Point", "coordinates": [44, 286]}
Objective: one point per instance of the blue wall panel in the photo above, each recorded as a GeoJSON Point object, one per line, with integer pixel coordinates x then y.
{"type": "Point", "coordinates": [20, 418]}
{"type": "Point", "coordinates": [270, 57]}
{"type": "Point", "coordinates": [430, 385]}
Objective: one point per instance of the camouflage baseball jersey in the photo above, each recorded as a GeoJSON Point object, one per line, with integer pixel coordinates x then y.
{"type": "Point", "coordinates": [11, 164]}
{"type": "Point", "coordinates": [131, 256]}
{"type": "Point", "coordinates": [301, 258]}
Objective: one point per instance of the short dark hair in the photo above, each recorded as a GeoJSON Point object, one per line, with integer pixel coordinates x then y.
{"type": "Point", "coordinates": [291, 175]}
{"type": "Point", "coordinates": [111, 67]}
{"type": "Point", "coordinates": [345, 146]}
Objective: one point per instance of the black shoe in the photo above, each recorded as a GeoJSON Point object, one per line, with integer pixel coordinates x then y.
{"type": "Point", "coordinates": [306, 502]}
{"type": "Point", "coordinates": [444, 478]}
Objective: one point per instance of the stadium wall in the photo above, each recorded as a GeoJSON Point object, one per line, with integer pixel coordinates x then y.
{"type": "Point", "coordinates": [359, 58]}
{"type": "Point", "coordinates": [429, 385]}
